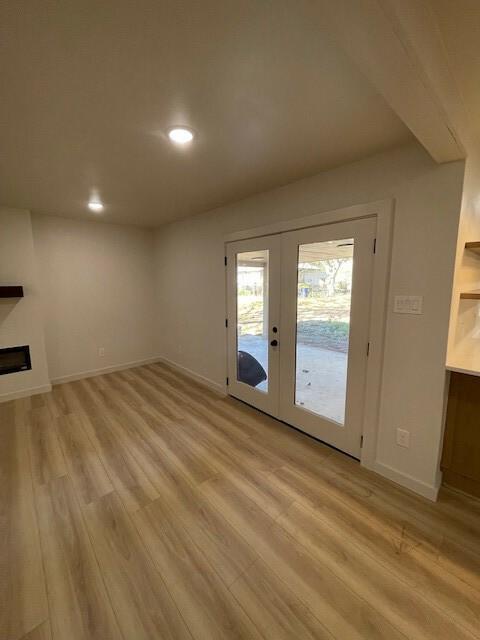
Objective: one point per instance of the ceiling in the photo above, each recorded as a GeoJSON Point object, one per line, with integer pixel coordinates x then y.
{"type": "Point", "coordinates": [459, 23]}
{"type": "Point", "coordinates": [89, 89]}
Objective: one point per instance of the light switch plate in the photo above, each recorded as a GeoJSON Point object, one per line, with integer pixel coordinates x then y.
{"type": "Point", "coordinates": [408, 304]}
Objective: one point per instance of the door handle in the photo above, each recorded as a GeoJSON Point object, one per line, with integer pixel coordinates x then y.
{"type": "Point", "coordinates": [274, 343]}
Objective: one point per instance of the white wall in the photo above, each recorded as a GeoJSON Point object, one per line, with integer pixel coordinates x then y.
{"type": "Point", "coordinates": [97, 283]}
{"type": "Point", "coordinates": [191, 289]}
{"type": "Point", "coordinates": [21, 320]}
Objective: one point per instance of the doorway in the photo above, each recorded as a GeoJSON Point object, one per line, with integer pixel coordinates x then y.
{"type": "Point", "coordinates": [298, 306]}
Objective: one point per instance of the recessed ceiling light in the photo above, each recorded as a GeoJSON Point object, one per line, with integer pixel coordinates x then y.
{"type": "Point", "coordinates": [95, 205]}
{"type": "Point", "coordinates": [180, 135]}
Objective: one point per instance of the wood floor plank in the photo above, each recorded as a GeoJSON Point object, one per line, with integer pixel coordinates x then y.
{"type": "Point", "coordinates": [466, 508]}
{"type": "Point", "coordinates": [247, 422]}
{"type": "Point", "coordinates": [148, 451]}
{"type": "Point", "coordinates": [82, 400]}
{"type": "Point", "coordinates": [229, 450]}
{"type": "Point", "coordinates": [42, 632]}
{"type": "Point", "coordinates": [403, 606]}
{"type": "Point", "coordinates": [268, 495]}
{"type": "Point", "coordinates": [341, 610]}
{"type": "Point", "coordinates": [126, 475]}
{"type": "Point", "coordinates": [461, 562]}
{"type": "Point", "coordinates": [57, 402]}
{"type": "Point", "coordinates": [320, 489]}
{"type": "Point", "coordinates": [413, 536]}
{"type": "Point", "coordinates": [223, 420]}
{"type": "Point", "coordinates": [67, 398]}
{"type": "Point", "coordinates": [225, 549]}
{"type": "Point", "coordinates": [417, 514]}
{"type": "Point", "coordinates": [273, 607]}
{"type": "Point", "coordinates": [22, 408]}
{"type": "Point", "coordinates": [259, 485]}
{"type": "Point", "coordinates": [121, 387]}
{"type": "Point", "coordinates": [78, 602]}
{"type": "Point", "coordinates": [107, 402]}
{"type": "Point", "coordinates": [23, 601]}
{"type": "Point", "coordinates": [149, 394]}
{"type": "Point", "coordinates": [199, 436]}
{"type": "Point", "coordinates": [46, 454]}
{"type": "Point", "coordinates": [399, 555]}
{"type": "Point", "coordinates": [262, 489]}
{"type": "Point", "coordinates": [188, 383]}
{"type": "Point", "coordinates": [207, 606]}
{"type": "Point", "coordinates": [38, 401]}
{"type": "Point", "coordinates": [197, 468]}
{"type": "Point", "coordinates": [83, 463]}
{"type": "Point", "coordinates": [163, 379]}
{"type": "Point", "coordinates": [143, 606]}
{"type": "Point", "coordinates": [366, 499]}
{"type": "Point", "coordinates": [452, 541]}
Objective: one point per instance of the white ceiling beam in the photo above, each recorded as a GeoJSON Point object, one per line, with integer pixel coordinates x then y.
{"type": "Point", "coordinates": [398, 46]}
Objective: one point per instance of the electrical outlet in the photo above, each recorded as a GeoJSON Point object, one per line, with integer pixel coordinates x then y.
{"type": "Point", "coordinates": [101, 351]}
{"type": "Point", "coordinates": [403, 438]}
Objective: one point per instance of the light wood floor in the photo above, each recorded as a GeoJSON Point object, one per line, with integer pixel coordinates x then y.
{"type": "Point", "coordinates": [141, 505]}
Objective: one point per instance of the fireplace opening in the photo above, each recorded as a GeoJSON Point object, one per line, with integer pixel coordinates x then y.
{"type": "Point", "coordinates": [13, 359]}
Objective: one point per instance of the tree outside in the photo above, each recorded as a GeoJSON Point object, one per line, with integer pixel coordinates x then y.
{"type": "Point", "coordinates": [323, 304]}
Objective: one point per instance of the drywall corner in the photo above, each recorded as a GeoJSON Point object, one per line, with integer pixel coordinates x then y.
{"type": "Point", "coordinates": [21, 320]}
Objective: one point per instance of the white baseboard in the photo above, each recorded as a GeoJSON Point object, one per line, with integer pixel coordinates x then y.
{"type": "Point", "coordinates": [25, 393]}
{"type": "Point", "coordinates": [98, 372]}
{"type": "Point", "coordinates": [409, 482]}
{"type": "Point", "coordinates": [214, 386]}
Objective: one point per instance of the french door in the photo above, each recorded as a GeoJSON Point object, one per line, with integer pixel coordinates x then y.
{"type": "Point", "coordinates": [298, 307]}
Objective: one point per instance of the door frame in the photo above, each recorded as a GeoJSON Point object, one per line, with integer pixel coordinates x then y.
{"type": "Point", "coordinates": [383, 211]}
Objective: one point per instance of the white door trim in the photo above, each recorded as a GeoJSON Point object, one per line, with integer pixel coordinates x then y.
{"type": "Point", "coordinates": [379, 208]}
{"type": "Point", "coordinates": [383, 210]}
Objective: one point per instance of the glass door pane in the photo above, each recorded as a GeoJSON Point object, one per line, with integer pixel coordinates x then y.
{"type": "Point", "coordinates": [324, 288]}
{"type": "Point", "coordinates": [253, 312]}
{"type": "Point", "coordinates": [252, 318]}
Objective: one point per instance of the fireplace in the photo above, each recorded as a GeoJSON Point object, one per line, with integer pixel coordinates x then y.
{"type": "Point", "coordinates": [13, 359]}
